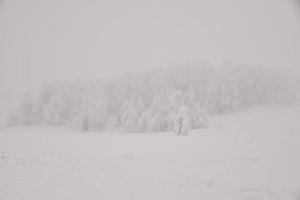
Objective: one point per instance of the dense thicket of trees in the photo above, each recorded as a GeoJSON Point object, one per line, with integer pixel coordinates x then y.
{"type": "Point", "coordinates": [152, 101]}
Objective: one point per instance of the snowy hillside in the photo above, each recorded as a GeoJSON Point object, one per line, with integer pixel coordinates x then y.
{"type": "Point", "coordinates": [248, 155]}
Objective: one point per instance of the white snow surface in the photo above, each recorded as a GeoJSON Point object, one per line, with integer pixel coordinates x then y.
{"type": "Point", "coordinates": [249, 155]}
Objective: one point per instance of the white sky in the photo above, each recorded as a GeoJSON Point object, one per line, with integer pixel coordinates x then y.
{"type": "Point", "coordinates": [41, 40]}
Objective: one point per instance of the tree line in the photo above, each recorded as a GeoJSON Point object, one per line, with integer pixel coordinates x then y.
{"type": "Point", "coordinates": [152, 101]}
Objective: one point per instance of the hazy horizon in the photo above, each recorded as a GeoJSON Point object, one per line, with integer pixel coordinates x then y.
{"type": "Point", "coordinates": [48, 40]}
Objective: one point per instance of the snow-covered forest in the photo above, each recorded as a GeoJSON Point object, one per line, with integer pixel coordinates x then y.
{"type": "Point", "coordinates": [153, 100]}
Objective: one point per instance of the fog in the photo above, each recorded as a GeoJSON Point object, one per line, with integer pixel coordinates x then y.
{"type": "Point", "coordinates": [157, 99]}
{"type": "Point", "coordinates": [70, 39]}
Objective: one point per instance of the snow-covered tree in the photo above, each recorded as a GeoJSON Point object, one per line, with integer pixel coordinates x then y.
{"type": "Point", "coordinates": [182, 121]}
{"type": "Point", "coordinates": [129, 116]}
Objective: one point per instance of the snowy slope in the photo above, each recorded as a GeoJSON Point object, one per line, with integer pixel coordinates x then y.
{"type": "Point", "coordinates": [248, 155]}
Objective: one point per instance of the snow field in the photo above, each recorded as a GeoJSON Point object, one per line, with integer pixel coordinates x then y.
{"type": "Point", "coordinates": [248, 155]}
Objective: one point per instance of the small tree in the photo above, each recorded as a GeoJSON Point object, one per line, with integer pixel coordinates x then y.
{"type": "Point", "coordinates": [182, 125]}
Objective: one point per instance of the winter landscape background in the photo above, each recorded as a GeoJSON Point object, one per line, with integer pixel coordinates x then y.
{"type": "Point", "coordinates": [149, 100]}
{"type": "Point", "coordinates": [154, 100]}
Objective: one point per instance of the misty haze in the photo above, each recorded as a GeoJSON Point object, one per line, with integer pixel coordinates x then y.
{"type": "Point", "coordinates": [149, 100]}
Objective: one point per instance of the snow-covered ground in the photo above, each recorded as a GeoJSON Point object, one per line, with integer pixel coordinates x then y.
{"type": "Point", "coordinates": [253, 154]}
